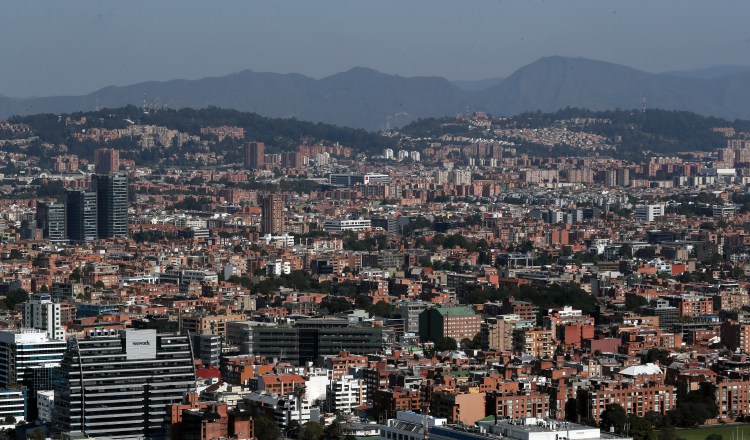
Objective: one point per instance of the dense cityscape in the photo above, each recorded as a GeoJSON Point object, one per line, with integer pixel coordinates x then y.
{"type": "Point", "coordinates": [457, 278]}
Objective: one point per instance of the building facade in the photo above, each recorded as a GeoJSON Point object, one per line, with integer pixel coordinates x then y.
{"type": "Point", "coordinates": [118, 384]}
{"type": "Point", "coordinates": [112, 205]}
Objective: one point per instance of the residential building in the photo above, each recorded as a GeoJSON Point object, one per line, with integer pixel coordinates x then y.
{"type": "Point", "coordinates": [272, 215]}
{"type": "Point", "coordinates": [41, 313]}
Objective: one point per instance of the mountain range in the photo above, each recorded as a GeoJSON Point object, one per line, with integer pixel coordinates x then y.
{"type": "Point", "coordinates": [365, 98]}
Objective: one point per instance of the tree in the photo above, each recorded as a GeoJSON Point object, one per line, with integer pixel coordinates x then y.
{"type": "Point", "coordinates": [293, 429]}
{"type": "Point", "coordinates": [634, 302]}
{"type": "Point", "coordinates": [333, 431]}
{"type": "Point", "coordinates": [266, 428]}
{"type": "Point", "coordinates": [614, 416]}
{"type": "Point", "coordinates": [443, 344]}
{"type": "Point", "coordinates": [626, 251]}
{"type": "Point", "coordinates": [640, 429]}
{"type": "Point", "coordinates": [37, 434]}
{"type": "Point", "coordinates": [15, 254]}
{"type": "Point", "coordinates": [16, 296]}
{"type": "Point", "coordinates": [10, 420]}
{"type": "Point", "coordinates": [310, 431]}
{"type": "Point", "coordinates": [381, 308]}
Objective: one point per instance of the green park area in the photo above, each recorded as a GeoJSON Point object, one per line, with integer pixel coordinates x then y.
{"type": "Point", "coordinates": [723, 432]}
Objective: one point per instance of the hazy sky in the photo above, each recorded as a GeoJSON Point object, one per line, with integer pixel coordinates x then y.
{"type": "Point", "coordinates": [72, 47]}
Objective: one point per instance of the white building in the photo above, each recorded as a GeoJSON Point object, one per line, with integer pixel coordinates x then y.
{"type": "Point", "coordinates": [45, 404]}
{"type": "Point", "coordinates": [41, 313]}
{"type": "Point", "coordinates": [388, 153]}
{"type": "Point", "coordinates": [441, 177]}
{"type": "Point", "coordinates": [12, 404]}
{"type": "Point", "coordinates": [461, 177]}
{"type": "Point", "coordinates": [345, 394]}
{"type": "Point", "coordinates": [724, 210]}
{"type": "Point", "coordinates": [648, 213]}
{"type": "Point", "coordinates": [284, 408]}
{"type": "Point", "coordinates": [415, 156]}
{"type": "Point", "coordinates": [278, 267]}
{"type": "Point", "coordinates": [403, 154]}
{"type": "Point", "coordinates": [27, 351]}
{"type": "Point", "coordinates": [316, 382]}
{"type": "Point", "coordinates": [284, 240]}
{"type": "Point", "coordinates": [346, 225]}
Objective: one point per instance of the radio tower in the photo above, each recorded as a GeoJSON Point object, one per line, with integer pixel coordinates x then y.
{"type": "Point", "coordinates": [643, 109]}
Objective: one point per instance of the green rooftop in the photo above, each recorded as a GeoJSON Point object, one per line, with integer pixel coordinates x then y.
{"type": "Point", "coordinates": [455, 311]}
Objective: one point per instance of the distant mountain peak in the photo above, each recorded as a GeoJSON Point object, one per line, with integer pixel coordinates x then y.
{"type": "Point", "coordinates": [363, 97]}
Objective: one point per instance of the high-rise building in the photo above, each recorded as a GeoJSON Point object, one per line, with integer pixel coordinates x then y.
{"type": "Point", "coordinates": [255, 155]}
{"type": "Point", "coordinates": [118, 384]}
{"type": "Point", "coordinates": [112, 205]}
{"type": "Point", "coordinates": [40, 313]}
{"type": "Point", "coordinates": [27, 357]}
{"type": "Point", "coordinates": [50, 218]}
{"type": "Point", "coordinates": [272, 215]}
{"type": "Point", "coordinates": [623, 177]}
{"type": "Point", "coordinates": [106, 160]}
{"type": "Point", "coordinates": [13, 403]}
{"type": "Point", "coordinates": [81, 215]}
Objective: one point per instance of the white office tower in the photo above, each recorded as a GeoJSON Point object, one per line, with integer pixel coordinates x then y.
{"type": "Point", "coordinates": [402, 154]}
{"type": "Point", "coordinates": [415, 156]}
{"type": "Point", "coordinates": [40, 313]}
{"type": "Point", "coordinates": [648, 213]}
{"type": "Point", "coordinates": [388, 153]}
{"type": "Point", "coordinates": [27, 357]}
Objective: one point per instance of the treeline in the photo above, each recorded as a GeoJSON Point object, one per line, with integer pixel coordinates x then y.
{"type": "Point", "coordinates": [661, 131]}
{"type": "Point", "coordinates": [549, 296]}
{"type": "Point", "coordinates": [277, 133]}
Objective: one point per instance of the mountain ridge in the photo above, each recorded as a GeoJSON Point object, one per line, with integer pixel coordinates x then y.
{"type": "Point", "coordinates": [362, 97]}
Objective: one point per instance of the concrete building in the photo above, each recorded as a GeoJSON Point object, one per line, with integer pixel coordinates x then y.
{"type": "Point", "coordinates": [410, 312]}
{"type": "Point", "coordinates": [106, 160]}
{"type": "Point", "coordinates": [647, 213]}
{"type": "Point", "coordinates": [449, 322]}
{"type": "Point", "coordinates": [40, 313]}
{"type": "Point", "coordinates": [255, 155]}
{"type": "Point", "coordinates": [345, 394]}
{"type": "Point", "coordinates": [272, 215]}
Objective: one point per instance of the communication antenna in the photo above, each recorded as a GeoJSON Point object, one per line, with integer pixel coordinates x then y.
{"type": "Point", "coordinates": [426, 420]}
{"type": "Point", "coordinates": [643, 109]}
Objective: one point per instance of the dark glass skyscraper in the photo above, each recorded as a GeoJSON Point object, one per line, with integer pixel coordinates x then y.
{"type": "Point", "coordinates": [118, 384]}
{"type": "Point", "coordinates": [82, 218]}
{"type": "Point", "coordinates": [50, 217]}
{"type": "Point", "coordinates": [112, 205]}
